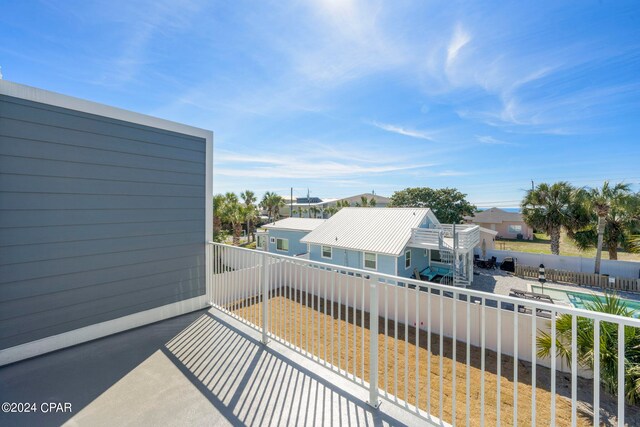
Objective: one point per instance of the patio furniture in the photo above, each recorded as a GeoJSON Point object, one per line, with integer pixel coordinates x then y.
{"type": "Point", "coordinates": [431, 273]}
{"type": "Point", "coordinates": [491, 263]}
{"type": "Point", "coordinates": [508, 264]}
{"type": "Point", "coordinates": [532, 296]}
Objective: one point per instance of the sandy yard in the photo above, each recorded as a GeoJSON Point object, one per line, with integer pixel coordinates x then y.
{"type": "Point", "coordinates": [290, 312]}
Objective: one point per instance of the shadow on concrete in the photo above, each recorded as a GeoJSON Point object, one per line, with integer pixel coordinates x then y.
{"type": "Point", "coordinates": [248, 382]}
{"type": "Point", "coordinates": [81, 373]}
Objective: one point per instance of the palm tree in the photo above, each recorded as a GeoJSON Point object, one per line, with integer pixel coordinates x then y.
{"type": "Point", "coordinates": [608, 345]}
{"type": "Point", "coordinates": [331, 210]}
{"type": "Point", "coordinates": [313, 211]}
{"type": "Point", "coordinates": [234, 213]}
{"type": "Point", "coordinates": [272, 203]}
{"type": "Point", "coordinates": [613, 217]}
{"type": "Point", "coordinates": [551, 208]}
{"type": "Point", "coordinates": [249, 199]}
{"type": "Point", "coordinates": [218, 203]}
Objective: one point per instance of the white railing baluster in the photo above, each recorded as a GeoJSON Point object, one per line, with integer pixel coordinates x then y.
{"type": "Point", "coordinates": [596, 373]}
{"type": "Point", "coordinates": [362, 328]}
{"type": "Point", "coordinates": [499, 363]}
{"type": "Point", "coordinates": [340, 320]}
{"type": "Point", "coordinates": [324, 305]}
{"type": "Point", "coordinates": [574, 370]}
{"type": "Point", "coordinates": [454, 351]}
{"type": "Point", "coordinates": [395, 347]}
{"type": "Point", "coordinates": [515, 367]}
{"type": "Point", "coordinates": [429, 353]}
{"type": "Point", "coordinates": [265, 299]}
{"type": "Point", "coordinates": [373, 342]}
{"type": "Point", "coordinates": [386, 334]}
{"type": "Point", "coordinates": [355, 331]}
{"type": "Point", "coordinates": [468, 354]}
{"type": "Point", "coordinates": [441, 351]}
{"type": "Point", "coordinates": [554, 355]}
{"type": "Point", "coordinates": [621, 373]}
{"type": "Point", "coordinates": [406, 342]}
{"type": "Point", "coordinates": [483, 325]}
{"type": "Point", "coordinates": [534, 362]}
{"type": "Point", "coordinates": [417, 372]}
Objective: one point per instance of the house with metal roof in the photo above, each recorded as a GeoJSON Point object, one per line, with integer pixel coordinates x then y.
{"type": "Point", "coordinates": [283, 237]}
{"type": "Point", "coordinates": [402, 242]}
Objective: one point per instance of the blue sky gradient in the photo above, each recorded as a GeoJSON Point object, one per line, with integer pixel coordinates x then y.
{"type": "Point", "coordinates": [344, 97]}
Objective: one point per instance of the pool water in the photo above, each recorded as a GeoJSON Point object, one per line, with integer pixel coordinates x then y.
{"type": "Point", "coordinates": [581, 299]}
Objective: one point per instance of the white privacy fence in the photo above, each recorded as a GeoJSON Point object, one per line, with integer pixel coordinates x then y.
{"type": "Point", "coordinates": [628, 269]}
{"type": "Point", "coordinates": [446, 354]}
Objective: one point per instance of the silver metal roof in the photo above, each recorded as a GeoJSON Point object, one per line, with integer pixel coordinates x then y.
{"type": "Point", "coordinates": [380, 230]}
{"type": "Point", "coordinates": [302, 224]}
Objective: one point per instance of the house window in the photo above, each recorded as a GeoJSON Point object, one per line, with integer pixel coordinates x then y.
{"type": "Point", "coordinates": [435, 255]}
{"type": "Point", "coordinates": [282, 245]}
{"type": "Point", "coordinates": [326, 252]}
{"type": "Point", "coordinates": [370, 261]}
{"type": "Point", "coordinates": [260, 243]}
{"type": "Point", "coordinates": [407, 259]}
{"type": "Point", "coordinates": [272, 240]}
{"type": "Point", "coordinates": [515, 229]}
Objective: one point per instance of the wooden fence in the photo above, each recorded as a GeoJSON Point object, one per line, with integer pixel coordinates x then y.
{"type": "Point", "coordinates": [583, 279]}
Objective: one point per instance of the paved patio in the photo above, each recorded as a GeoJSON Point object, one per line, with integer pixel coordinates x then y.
{"type": "Point", "coordinates": [501, 283]}
{"type": "Point", "coordinates": [204, 368]}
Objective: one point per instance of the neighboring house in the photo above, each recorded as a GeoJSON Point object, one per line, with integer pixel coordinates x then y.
{"type": "Point", "coordinates": [283, 237]}
{"type": "Point", "coordinates": [315, 206]}
{"type": "Point", "coordinates": [394, 241]}
{"type": "Point", "coordinates": [508, 225]}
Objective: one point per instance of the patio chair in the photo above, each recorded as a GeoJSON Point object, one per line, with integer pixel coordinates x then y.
{"type": "Point", "coordinates": [491, 263]}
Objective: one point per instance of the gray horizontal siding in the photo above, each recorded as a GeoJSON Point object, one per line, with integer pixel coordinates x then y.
{"type": "Point", "coordinates": [89, 169]}
{"type": "Point", "coordinates": [99, 218]}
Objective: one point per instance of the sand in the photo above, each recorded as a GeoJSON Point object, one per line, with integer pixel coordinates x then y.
{"type": "Point", "coordinates": [300, 320]}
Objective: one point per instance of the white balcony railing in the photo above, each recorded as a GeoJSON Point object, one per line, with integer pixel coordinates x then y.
{"type": "Point", "coordinates": [468, 237]}
{"type": "Point", "coordinates": [448, 355]}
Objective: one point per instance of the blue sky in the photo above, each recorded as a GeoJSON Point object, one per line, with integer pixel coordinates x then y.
{"type": "Point", "coordinates": [344, 97]}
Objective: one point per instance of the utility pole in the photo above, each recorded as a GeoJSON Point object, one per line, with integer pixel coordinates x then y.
{"type": "Point", "coordinates": [291, 204]}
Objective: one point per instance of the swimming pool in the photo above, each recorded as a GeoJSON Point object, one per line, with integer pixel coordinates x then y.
{"type": "Point", "coordinates": [581, 299]}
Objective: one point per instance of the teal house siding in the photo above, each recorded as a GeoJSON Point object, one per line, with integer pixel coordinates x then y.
{"type": "Point", "coordinates": [418, 261]}
{"type": "Point", "coordinates": [295, 247]}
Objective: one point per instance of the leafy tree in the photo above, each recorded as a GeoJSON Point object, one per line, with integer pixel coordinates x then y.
{"type": "Point", "coordinates": [612, 218]}
{"type": "Point", "coordinates": [608, 346]}
{"type": "Point", "coordinates": [552, 207]}
{"type": "Point", "coordinates": [448, 204]}
{"type": "Point", "coordinates": [249, 199]}
{"type": "Point", "coordinates": [372, 202]}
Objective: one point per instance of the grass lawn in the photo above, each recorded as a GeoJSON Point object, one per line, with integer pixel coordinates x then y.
{"type": "Point", "coordinates": [541, 245]}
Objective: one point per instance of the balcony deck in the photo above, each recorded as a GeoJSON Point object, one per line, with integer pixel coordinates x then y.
{"type": "Point", "coordinates": [203, 368]}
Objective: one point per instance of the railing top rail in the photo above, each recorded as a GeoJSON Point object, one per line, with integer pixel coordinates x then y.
{"type": "Point", "coordinates": [627, 321]}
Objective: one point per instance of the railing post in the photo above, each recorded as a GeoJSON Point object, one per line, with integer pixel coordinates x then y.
{"type": "Point", "coordinates": [373, 342]}
{"type": "Point", "coordinates": [265, 299]}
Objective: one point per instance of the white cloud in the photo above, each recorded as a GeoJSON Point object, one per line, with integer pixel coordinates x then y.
{"type": "Point", "coordinates": [404, 131]}
{"type": "Point", "coordinates": [486, 139]}
{"type": "Point", "coordinates": [459, 40]}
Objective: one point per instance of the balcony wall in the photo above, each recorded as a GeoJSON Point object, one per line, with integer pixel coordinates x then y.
{"type": "Point", "coordinates": [102, 214]}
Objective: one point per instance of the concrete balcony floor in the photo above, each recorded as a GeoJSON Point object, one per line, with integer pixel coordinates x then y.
{"type": "Point", "coordinates": [203, 368]}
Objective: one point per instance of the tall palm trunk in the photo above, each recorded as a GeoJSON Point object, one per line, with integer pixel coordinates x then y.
{"type": "Point", "coordinates": [613, 252]}
{"type": "Point", "coordinates": [601, 225]}
{"type": "Point", "coordinates": [248, 231]}
{"type": "Point", "coordinates": [555, 240]}
{"type": "Point", "coordinates": [237, 230]}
